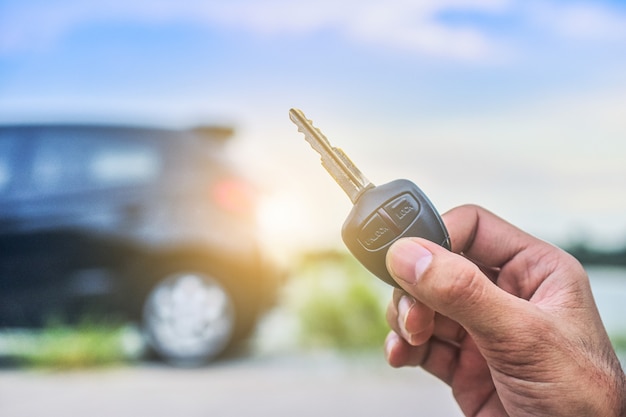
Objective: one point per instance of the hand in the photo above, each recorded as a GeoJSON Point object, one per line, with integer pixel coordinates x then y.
{"type": "Point", "coordinates": [508, 321]}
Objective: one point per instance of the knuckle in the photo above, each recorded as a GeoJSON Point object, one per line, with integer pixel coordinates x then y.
{"type": "Point", "coordinates": [462, 290]}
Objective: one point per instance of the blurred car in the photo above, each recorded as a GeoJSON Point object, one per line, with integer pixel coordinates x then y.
{"type": "Point", "coordinates": [131, 223]}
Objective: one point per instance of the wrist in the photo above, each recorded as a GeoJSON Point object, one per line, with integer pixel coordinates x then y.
{"type": "Point", "coordinates": [621, 392]}
{"type": "Point", "coordinates": [617, 407]}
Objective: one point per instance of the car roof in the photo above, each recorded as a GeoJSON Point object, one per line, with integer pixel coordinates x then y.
{"type": "Point", "coordinates": [86, 126]}
{"type": "Point", "coordinates": [213, 133]}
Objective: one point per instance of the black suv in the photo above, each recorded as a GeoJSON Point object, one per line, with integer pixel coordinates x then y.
{"type": "Point", "coordinates": [136, 223]}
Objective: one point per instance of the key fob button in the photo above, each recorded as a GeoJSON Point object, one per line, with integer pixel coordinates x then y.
{"type": "Point", "coordinates": [403, 210]}
{"type": "Point", "coordinates": [375, 233]}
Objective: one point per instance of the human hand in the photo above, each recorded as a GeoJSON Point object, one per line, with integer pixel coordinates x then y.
{"type": "Point", "coordinates": [510, 323]}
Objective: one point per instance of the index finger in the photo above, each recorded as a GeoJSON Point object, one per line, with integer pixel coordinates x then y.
{"type": "Point", "coordinates": [484, 237]}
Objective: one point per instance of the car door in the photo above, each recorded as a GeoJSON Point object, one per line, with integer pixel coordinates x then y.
{"type": "Point", "coordinates": [16, 261]}
{"type": "Point", "coordinates": [9, 172]}
{"type": "Point", "coordinates": [80, 199]}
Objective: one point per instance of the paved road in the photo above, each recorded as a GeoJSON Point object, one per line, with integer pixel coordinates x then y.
{"type": "Point", "coordinates": [267, 385]}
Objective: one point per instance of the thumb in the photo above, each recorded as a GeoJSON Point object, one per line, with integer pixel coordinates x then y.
{"type": "Point", "coordinates": [453, 286]}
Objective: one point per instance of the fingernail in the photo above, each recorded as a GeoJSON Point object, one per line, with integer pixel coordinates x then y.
{"type": "Point", "coordinates": [390, 343]}
{"type": "Point", "coordinates": [404, 306]}
{"type": "Point", "coordinates": [407, 260]}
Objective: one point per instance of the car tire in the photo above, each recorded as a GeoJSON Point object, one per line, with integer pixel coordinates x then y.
{"type": "Point", "coordinates": [189, 318]}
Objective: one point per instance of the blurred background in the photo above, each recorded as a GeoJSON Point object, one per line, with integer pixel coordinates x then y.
{"type": "Point", "coordinates": [514, 105]}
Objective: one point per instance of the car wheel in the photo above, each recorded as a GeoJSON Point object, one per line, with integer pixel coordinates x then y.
{"type": "Point", "coordinates": [189, 318]}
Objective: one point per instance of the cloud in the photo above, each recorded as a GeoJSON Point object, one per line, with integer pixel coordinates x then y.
{"type": "Point", "coordinates": [416, 27]}
{"type": "Point", "coordinates": [400, 24]}
{"type": "Point", "coordinates": [578, 20]}
{"type": "Point", "coordinates": [405, 25]}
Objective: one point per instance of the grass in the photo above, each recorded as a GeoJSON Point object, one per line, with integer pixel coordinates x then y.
{"type": "Point", "coordinates": [63, 347]}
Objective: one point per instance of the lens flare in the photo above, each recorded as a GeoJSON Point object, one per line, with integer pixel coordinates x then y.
{"type": "Point", "coordinates": [282, 221]}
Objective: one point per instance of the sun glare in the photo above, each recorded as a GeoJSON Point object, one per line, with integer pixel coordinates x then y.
{"type": "Point", "coordinates": [283, 223]}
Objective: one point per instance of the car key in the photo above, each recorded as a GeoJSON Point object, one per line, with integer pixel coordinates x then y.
{"type": "Point", "coordinates": [381, 214]}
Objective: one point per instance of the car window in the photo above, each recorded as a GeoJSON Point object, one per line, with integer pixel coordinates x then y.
{"type": "Point", "coordinates": [126, 164]}
{"type": "Point", "coordinates": [7, 151]}
{"type": "Point", "coordinates": [66, 160]}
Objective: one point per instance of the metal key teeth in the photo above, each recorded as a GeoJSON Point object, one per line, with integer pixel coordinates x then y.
{"type": "Point", "coordinates": [334, 160]}
{"type": "Point", "coordinates": [306, 126]}
{"type": "Point", "coordinates": [303, 129]}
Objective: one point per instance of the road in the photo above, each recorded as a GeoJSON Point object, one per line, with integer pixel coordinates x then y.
{"type": "Point", "coordinates": [303, 385]}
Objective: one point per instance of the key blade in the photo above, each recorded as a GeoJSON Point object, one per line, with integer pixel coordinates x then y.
{"type": "Point", "coordinates": [334, 160]}
{"type": "Point", "coordinates": [356, 178]}
{"type": "Point", "coordinates": [352, 189]}
{"type": "Point", "coordinates": [313, 135]}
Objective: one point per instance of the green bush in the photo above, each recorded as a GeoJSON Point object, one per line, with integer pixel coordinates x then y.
{"type": "Point", "coordinates": [60, 346]}
{"type": "Point", "coordinates": [339, 303]}
{"type": "Point", "coordinates": [619, 342]}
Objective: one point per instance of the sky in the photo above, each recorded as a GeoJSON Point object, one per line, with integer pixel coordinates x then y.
{"type": "Point", "coordinates": [516, 105]}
